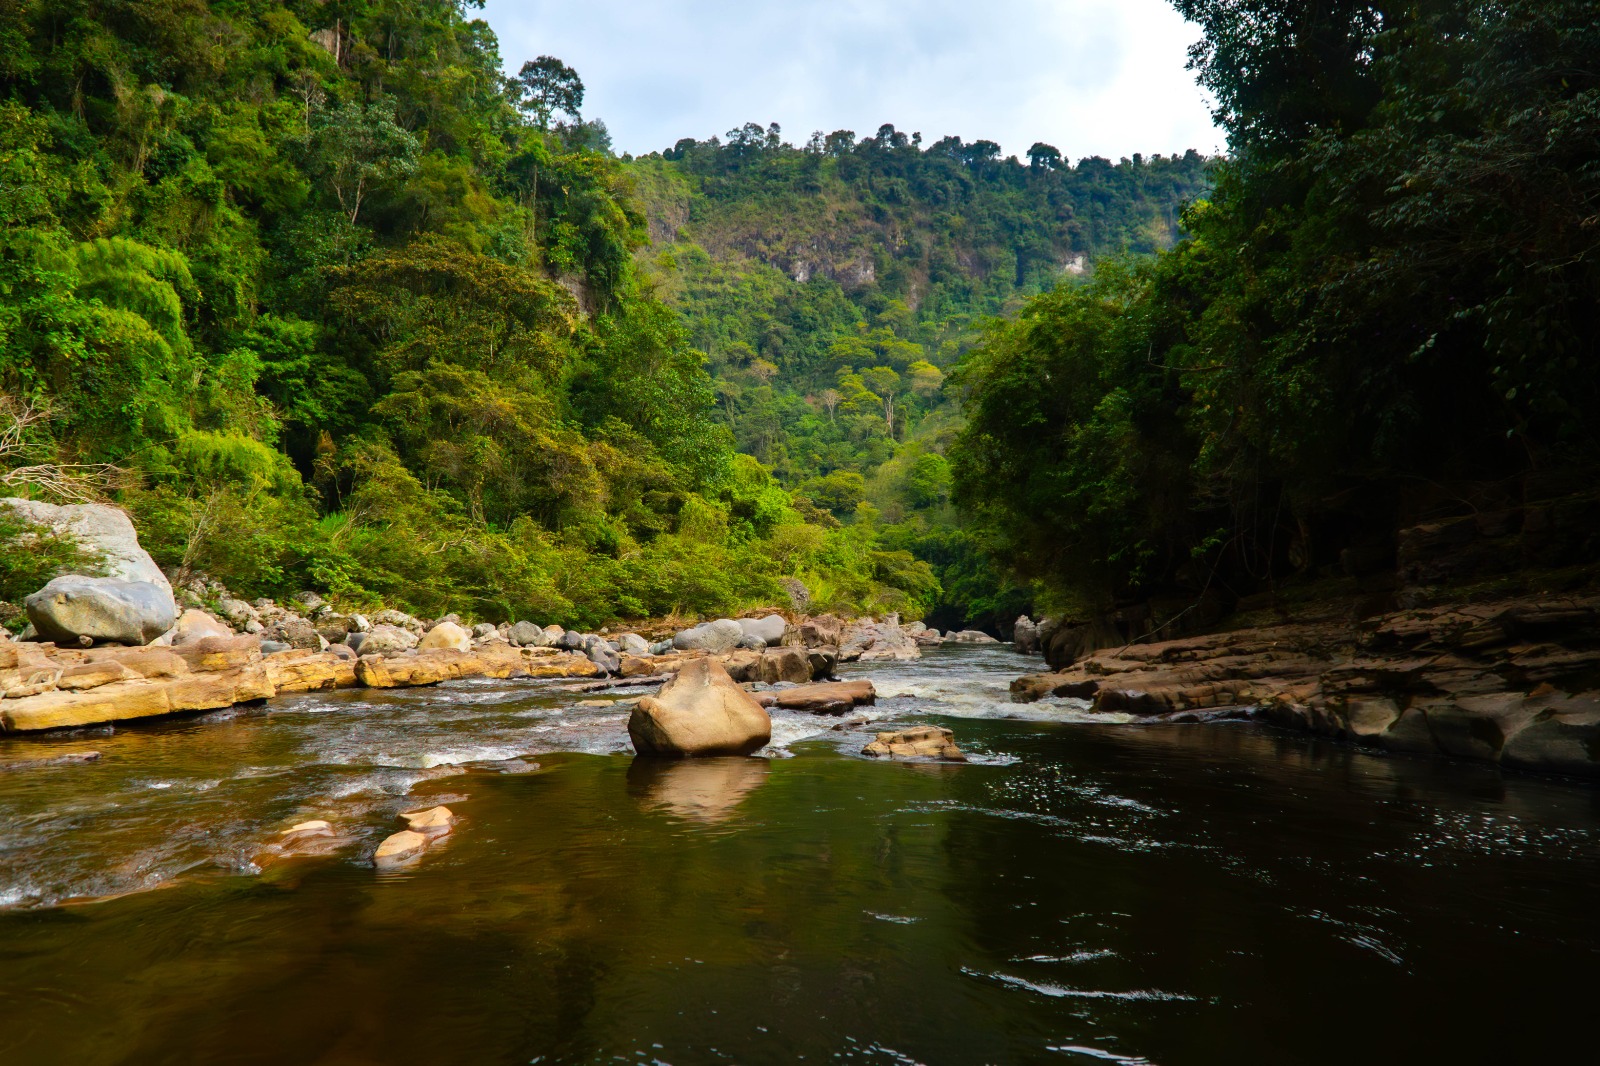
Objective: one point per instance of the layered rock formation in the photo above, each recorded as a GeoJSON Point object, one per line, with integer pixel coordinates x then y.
{"type": "Point", "coordinates": [1515, 682]}
{"type": "Point", "coordinates": [46, 687]}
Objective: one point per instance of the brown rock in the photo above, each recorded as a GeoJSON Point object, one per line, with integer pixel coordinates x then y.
{"type": "Point", "coordinates": [401, 847]}
{"type": "Point", "coordinates": [839, 697]}
{"type": "Point", "coordinates": [920, 742]}
{"type": "Point", "coordinates": [433, 822]}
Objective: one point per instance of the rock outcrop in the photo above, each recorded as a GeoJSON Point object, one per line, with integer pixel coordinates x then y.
{"type": "Point", "coordinates": [870, 641]}
{"type": "Point", "coordinates": [970, 636]}
{"type": "Point", "coordinates": [919, 742]}
{"type": "Point", "coordinates": [701, 711]}
{"type": "Point", "coordinates": [45, 687]}
{"type": "Point", "coordinates": [1514, 682]}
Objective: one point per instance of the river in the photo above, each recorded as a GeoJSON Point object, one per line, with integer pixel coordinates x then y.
{"type": "Point", "coordinates": [1085, 890]}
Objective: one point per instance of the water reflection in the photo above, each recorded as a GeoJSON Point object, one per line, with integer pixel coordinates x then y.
{"type": "Point", "coordinates": [708, 791]}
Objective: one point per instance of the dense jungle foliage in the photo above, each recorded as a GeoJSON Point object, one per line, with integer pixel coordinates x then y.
{"type": "Point", "coordinates": [337, 305]}
{"type": "Point", "coordinates": [833, 287]}
{"type": "Point", "coordinates": [1396, 283]}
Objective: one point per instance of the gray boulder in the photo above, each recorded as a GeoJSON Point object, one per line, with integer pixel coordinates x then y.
{"type": "Point", "coordinates": [484, 630]}
{"type": "Point", "coordinates": [527, 635]}
{"type": "Point", "coordinates": [1025, 635]}
{"type": "Point", "coordinates": [715, 637]}
{"type": "Point", "coordinates": [661, 647]}
{"type": "Point", "coordinates": [386, 639]}
{"type": "Point", "coordinates": [354, 640]}
{"type": "Point", "coordinates": [601, 655]}
{"type": "Point", "coordinates": [74, 610]}
{"type": "Point", "coordinates": [571, 640]}
{"type": "Point", "coordinates": [971, 636]}
{"type": "Point", "coordinates": [633, 644]}
{"type": "Point", "coordinates": [769, 629]}
{"type": "Point", "coordinates": [99, 528]}
{"type": "Point", "coordinates": [296, 632]}
{"type": "Point", "coordinates": [273, 647]}
{"type": "Point", "coordinates": [124, 606]}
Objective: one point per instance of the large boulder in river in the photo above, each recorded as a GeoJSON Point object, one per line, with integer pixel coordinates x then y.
{"type": "Point", "coordinates": [131, 604]}
{"type": "Point", "coordinates": [871, 641]}
{"type": "Point", "coordinates": [446, 635]}
{"type": "Point", "coordinates": [717, 637]}
{"type": "Point", "coordinates": [971, 636]}
{"type": "Point", "coordinates": [769, 629]}
{"type": "Point", "coordinates": [699, 712]}
{"type": "Point", "coordinates": [919, 742]}
{"type": "Point", "coordinates": [101, 610]}
{"type": "Point", "coordinates": [1025, 635]}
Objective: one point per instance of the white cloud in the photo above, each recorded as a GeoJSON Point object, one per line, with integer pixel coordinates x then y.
{"type": "Point", "coordinates": [1093, 77]}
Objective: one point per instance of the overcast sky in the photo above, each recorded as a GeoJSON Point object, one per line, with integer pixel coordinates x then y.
{"type": "Point", "coordinates": [1092, 77]}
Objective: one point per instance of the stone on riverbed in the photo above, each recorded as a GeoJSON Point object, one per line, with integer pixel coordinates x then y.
{"type": "Point", "coordinates": [920, 742]}
{"type": "Point", "coordinates": [970, 636]}
{"type": "Point", "coordinates": [401, 847]}
{"type": "Point", "coordinates": [702, 711]}
{"type": "Point", "coordinates": [433, 822]}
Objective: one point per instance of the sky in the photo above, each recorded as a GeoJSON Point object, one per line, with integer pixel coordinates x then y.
{"type": "Point", "coordinates": [1092, 77]}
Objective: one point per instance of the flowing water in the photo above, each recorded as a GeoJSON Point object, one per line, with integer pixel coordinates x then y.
{"type": "Point", "coordinates": [1085, 890]}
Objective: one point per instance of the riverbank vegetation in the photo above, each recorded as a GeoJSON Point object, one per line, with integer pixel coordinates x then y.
{"type": "Point", "coordinates": [1385, 312]}
{"type": "Point", "coordinates": [342, 307]}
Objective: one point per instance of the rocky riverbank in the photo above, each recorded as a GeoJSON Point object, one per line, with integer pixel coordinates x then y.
{"type": "Point", "coordinates": [135, 642]}
{"type": "Point", "coordinates": [1514, 682]}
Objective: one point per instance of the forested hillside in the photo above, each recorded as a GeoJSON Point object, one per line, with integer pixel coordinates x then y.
{"type": "Point", "coordinates": [1386, 317]}
{"type": "Point", "coordinates": [327, 301]}
{"type": "Point", "coordinates": [834, 285]}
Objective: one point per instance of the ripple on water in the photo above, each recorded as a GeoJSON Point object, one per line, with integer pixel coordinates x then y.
{"type": "Point", "coordinates": [1054, 991]}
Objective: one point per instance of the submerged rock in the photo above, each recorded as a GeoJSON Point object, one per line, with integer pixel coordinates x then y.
{"type": "Point", "coordinates": [433, 822]}
{"type": "Point", "coordinates": [701, 711]}
{"type": "Point", "coordinates": [920, 742]}
{"type": "Point", "coordinates": [399, 848]}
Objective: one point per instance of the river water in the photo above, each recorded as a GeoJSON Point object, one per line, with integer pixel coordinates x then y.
{"type": "Point", "coordinates": [1086, 890]}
